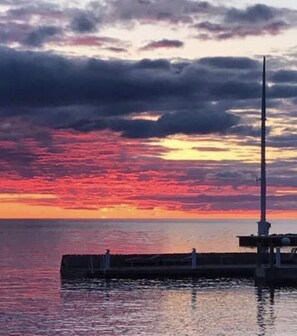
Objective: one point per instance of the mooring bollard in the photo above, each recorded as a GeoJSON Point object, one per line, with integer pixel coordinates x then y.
{"type": "Point", "coordinates": [194, 258]}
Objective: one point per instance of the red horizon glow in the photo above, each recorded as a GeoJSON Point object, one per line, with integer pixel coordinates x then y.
{"type": "Point", "coordinates": [78, 177]}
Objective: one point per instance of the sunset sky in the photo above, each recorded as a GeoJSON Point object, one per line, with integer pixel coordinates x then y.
{"type": "Point", "coordinates": [146, 108]}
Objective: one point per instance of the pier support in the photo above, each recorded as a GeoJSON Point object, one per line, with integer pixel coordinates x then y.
{"type": "Point", "coordinates": [260, 274]}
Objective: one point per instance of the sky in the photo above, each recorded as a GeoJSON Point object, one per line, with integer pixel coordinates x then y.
{"type": "Point", "coordinates": [146, 108]}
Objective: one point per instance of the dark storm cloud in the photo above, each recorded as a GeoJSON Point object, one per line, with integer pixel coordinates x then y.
{"type": "Point", "coordinates": [247, 130]}
{"type": "Point", "coordinates": [230, 89]}
{"type": "Point", "coordinates": [40, 35]}
{"type": "Point", "coordinates": [13, 32]}
{"type": "Point", "coordinates": [208, 21]}
{"type": "Point", "coordinates": [159, 64]}
{"type": "Point", "coordinates": [201, 122]}
{"type": "Point", "coordinates": [285, 76]}
{"type": "Point", "coordinates": [29, 24]}
{"type": "Point", "coordinates": [17, 156]}
{"type": "Point", "coordinates": [19, 12]}
{"type": "Point", "coordinates": [19, 159]}
{"type": "Point", "coordinates": [163, 44]}
{"type": "Point", "coordinates": [251, 21]}
{"type": "Point", "coordinates": [84, 22]}
{"type": "Point", "coordinates": [252, 14]}
{"type": "Point", "coordinates": [208, 30]}
{"type": "Point", "coordinates": [42, 79]}
{"type": "Point", "coordinates": [244, 63]}
{"type": "Point", "coordinates": [284, 141]}
{"type": "Point", "coordinates": [170, 11]}
{"type": "Point", "coordinates": [89, 94]}
{"type": "Point", "coordinates": [196, 123]}
{"type": "Point", "coordinates": [283, 91]}
{"type": "Point", "coordinates": [222, 22]}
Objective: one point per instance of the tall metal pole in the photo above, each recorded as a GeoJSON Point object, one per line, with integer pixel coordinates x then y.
{"type": "Point", "coordinates": [263, 225]}
{"type": "Point", "coordinates": [263, 146]}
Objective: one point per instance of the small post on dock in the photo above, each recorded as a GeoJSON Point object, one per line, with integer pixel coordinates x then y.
{"type": "Point", "coordinates": [194, 258]}
{"type": "Point", "coordinates": [106, 260]}
{"type": "Point", "coordinates": [271, 255]}
{"type": "Point", "coordinates": [278, 257]}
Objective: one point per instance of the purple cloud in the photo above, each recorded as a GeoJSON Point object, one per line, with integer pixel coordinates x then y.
{"type": "Point", "coordinates": [163, 44]}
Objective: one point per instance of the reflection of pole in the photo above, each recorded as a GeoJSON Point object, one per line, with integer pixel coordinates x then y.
{"type": "Point", "coordinates": [106, 288]}
{"type": "Point", "coordinates": [265, 317]}
{"type": "Point", "coordinates": [194, 294]}
{"type": "Point", "coordinates": [260, 311]}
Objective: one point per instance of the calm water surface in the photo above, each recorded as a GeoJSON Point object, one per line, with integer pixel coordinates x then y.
{"type": "Point", "coordinates": [34, 300]}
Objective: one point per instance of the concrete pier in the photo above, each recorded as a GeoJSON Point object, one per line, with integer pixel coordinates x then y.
{"type": "Point", "coordinates": [176, 265]}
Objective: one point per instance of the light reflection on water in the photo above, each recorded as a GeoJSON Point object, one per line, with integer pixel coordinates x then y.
{"type": "Point", "coordinates": [173, 307]}
{"type": "Point", "coordinates": [35, 301]}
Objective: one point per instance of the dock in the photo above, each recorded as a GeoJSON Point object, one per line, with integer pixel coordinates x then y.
{"type": "Point", "coordinates": [207, 265]}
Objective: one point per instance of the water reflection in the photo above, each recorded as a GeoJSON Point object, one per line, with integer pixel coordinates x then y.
{"type": "Point", "coordinates": [34, 301]}
{"type": "Point", "coordinates": [194, 294]}
{"type": "Point", "coordinates": [265, 309]}
{"type": "Point", "coordinates": [164, 307]}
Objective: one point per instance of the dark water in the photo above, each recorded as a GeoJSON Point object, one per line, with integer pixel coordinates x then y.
{"type": "Point", "coordinates": [34, 300]}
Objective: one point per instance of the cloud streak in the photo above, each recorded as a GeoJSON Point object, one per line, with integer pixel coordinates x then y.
{"type": "Point", "coordinates": [252, 21]}
{"type": "Point", "coordinates": [163, 44]}
{"type": "Point", "coordinates": [203, 19]}
{"type": "Point", "coordinates": [40, 35]}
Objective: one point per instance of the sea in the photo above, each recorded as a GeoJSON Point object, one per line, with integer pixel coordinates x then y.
{"type": "Point", "coordinates": [35, 301]}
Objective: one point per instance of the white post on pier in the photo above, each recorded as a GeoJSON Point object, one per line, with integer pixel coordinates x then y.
{"type": "Point", "coordinates": [278, 257]}
{"type": "Point", "coordinates": [194, 258]}
{"type": "Point", "coordinates": [107, 259]}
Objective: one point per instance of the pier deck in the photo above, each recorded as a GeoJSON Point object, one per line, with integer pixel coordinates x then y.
{"type": "Point", "coordinates": [207, 265]}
